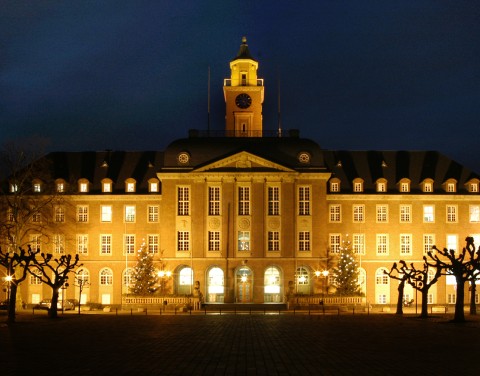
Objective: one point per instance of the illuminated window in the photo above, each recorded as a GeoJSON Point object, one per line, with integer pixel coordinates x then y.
{"type": "Point", "coordinates": [358, 213]}
{"type": "Point", "coordinates": [451, 213]}
{"type": "Point", "coordinates": [213, 200]}
{"type": "Point", "coordinates": [381, 186]}
{"type": "Point", "coordinates": [334, 186]}
{"type": "Point", "coordinates": [404, 187]}
{"type": "Point", "coordinates": [382, 244]}
{"type": "Point", "coordinates": [214, 240]}
{"type": "Point", "coordinates": [60, 186]}
{"type": "Point", "coordinates": [428, 187]}
{"type": "Point", "coordinates": [359, 244]}
{"type": "Point", "coordinates": [450, 187]}
{"type": "Point", "coordinates": [405, 244]}
{"type": "Point", "coordinates": [153, 186]}
{"type": "Point", "coordinates": [358, 185]}
{"type": "Point", "coordinates": [130, 212]}
{"type": "Point", "coordinates": [334, 243]}
{"type": "Point", "coordinates": [36, 217]}
{"type": "Point", "coordinates": [106, 244]}
{"type": "Point", "coordinates": [35, 276]}
{"type": "Point", "coordinates": [405, 213]}
{"type": "Point", "coordinates": [59, 214]}
{"type": "Point", "coordinates": [303, 200]}
{"type": "Point", "coordinates": [335, 211]}
{"type": "Point", "coordinates": [106, 213]}
{"type": "Point", "coordinates": [13, 188]}
{"type": "Point", "coordinates": [82, 244]}
{"type": "Point", "coordinates": [473, 187]}
{"type": "Point", "coordinates": [83, 185]}
{"type": "Point", "coordinates": [35, 242]}
{"type": "Point", "coordinates": [130, 185]}
{"type": "Point", "coordinates": [128, 277]}
{"type": "Point", "coordinates": [428, 242]}
{"type": "Point", "coordinates": [428, 213]}
{"type": "Point", "coordinates": [59, 243]}
{"type": "Point", "coordinates": [452, 242]}
{"type": "Point", "coordinates": [273, 241]}
{"type": "Point", "coordinates": [37, 187]}
{"type": "Point", "coordinates": [380, 277]}
{"type": "Point", "coordinates": [474, 213]}
{"type": "Point", "coordinates": [244, 240]}
{"type": "Point", "coordinates": [302, 276]}
{"type": "Point", "coordinates": [153, 243]}
{"type": "Point", "coordinates": [273, 201]}
{"type": "Point", "coordinates": [107, 185]}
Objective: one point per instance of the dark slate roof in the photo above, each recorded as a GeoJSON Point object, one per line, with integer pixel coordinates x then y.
{"type": "Point", "coordinates": [244, 52]}
{"type": "Point", "coordinates": [115, 165]}
{"type": "Point", "coordinates": [281, 150]}
{"type": "Point", "coordinates": [394, 166]}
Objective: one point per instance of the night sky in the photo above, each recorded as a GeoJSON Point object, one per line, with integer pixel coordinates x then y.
{"type": "Point", "coordinates": [133, 75]}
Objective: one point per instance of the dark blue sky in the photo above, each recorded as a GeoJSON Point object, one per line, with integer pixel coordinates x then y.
{"type": "Point", "coordinates": [133, 75]}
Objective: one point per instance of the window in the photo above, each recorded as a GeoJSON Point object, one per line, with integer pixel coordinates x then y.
{"type": "Point", "coordinates": [473, 187]}
{"type": "Point", "coordinates": [105, 244]}
{"type": "Point", "coordinates": [13, 188]}
{"type": "Point", "coordinates": [82, 244]}
{"type": "Point", "coordinates": [405, 213]}
{"type": "Point", "coordinates": [358, 213]}
{"type": "Point", "coordinates": [304, 241]}
{"type": "Point", "coordinates": [107, 186]}
{"type": "Point", "coordinates": [59, 243]}
{"type": "Point", "coordinates": [474, 213]}
{"type": "Point", "coordinates": [334, 186]}
{"type": "Point", "coordinates": [83, 277]}
{"type": "Point", "coordinates": [358, 185]}
{"type": "Point", "coordinates": [59, 214]}
{"type": "Point", "coordinates": [106, 213]}
{"type": "Point", "coordinates": [183, 241]}
{"type": "Point", "coordinates": [183, 200]}
{"type": "Point", "coordinates": [450, 187]}
{"type": "Point", "coordinates": [334, 243]}
{"type": "Point", "coordinates": [380, 277]}
{"type": "Point", "coordinates": [153, 213]}
{"type": "Point", "coordinates": [404, 187]}
{"type": "Point", "coordinates": [303, 200]}
{"type": "Point", "coordinates": [451, 213]}
{"type": "Point", "coordinates": [452, 242]}
{"type": "Point", "coordinates": [405, 244]}
{"type": "Point", "coordinates": [128, 277]}
{"type": "Point", "coordinates": [60, 186]}
{"type": "Point", "coordinates": [36, 217]}
{"type": "Point", "coordinates": [106, 277]}
{"type": "Point", "coordinates": [273, 241]}
{"type": "Point", "coordinates": [153, 243]}
{"type": "Point", "coordinates": [129, 244]}
{"type": "Point", "coordinates": [213, 200]}
{"type": "Point", "coordinates": [35, 242]}
{"type": "Point", "coordinates": [153, 186]}
{"type": "Point", "coordinates": [359, 244]}
{"type": "Point", "coordinates": [428, 242]}
{"type": "Point", "coordinates": [381, 186]}
{"type": "Point", "coordinates": [37, 187]}
{"type": "Point", "coordinates": [130, 186]}
{"type": "Point", "coordinates": [382, 244]}
{"type": "Point", "coordinates": [83, 185]}
{"type": "Point", "coordinates": [35, 276]}
{"type": "Point", "coordinates": [428, 213]}
{"type": "Point", "coordinates": [214, 240]}
{"type": "Point", "coordinates": [302, 276]}
{"type": "Point", "coordinates": [244, 240]}
{"type": "Point", "coordinates": [10, 215]}
{"type": "Point", "coordinates": [82, 213]}
{"type": "Point", "coordinates": [451, 298]}
{"type": "Point", "coordinates": [243, 200]}
{"type": "Point", "coordinates": [273, 201]}
{"type": "Point", "coordinates": [382, 213]}
{"type": "Point", "coordinates": [335, 212]}
{"type": "Point", "coordinates": [130, 212]}
{"type": "Point", "coordinates": [427, 187]}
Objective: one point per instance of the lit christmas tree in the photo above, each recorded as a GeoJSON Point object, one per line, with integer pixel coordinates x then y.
{"type": "Point", "coordinates": [346, 272]}
{"type": "Point", "coordinates": [144, 277]}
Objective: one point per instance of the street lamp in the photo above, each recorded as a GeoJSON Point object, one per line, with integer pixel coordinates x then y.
{"type": "Point", "coordinates": [8, 279]}
{"type": "Point", "coordinates": [324, 275]}
{"type": "Point", "coordinates": [64, 287]}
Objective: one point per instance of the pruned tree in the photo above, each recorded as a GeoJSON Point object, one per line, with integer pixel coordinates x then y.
{"type": "Point", "coordinates": [463, 265]}
{"type": "Point", "coordinates": [81, 282]}
{"type": "Point", "coordinates": [17, 266]}
{"type": "Point", "coordinates": [396, 273]}
{"type": "Point", "coordinates": [54, 274]}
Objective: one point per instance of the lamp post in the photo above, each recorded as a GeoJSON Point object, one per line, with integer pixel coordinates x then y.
{"type": "Point", "coordinates": [8, 279]}
{"type": "Point", "coordinates": [324, 275]}
{"type": "Point", "coordinates": [64, 287]}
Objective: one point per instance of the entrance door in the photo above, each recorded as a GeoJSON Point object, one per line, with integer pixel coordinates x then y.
{"type": "Point", "coordinates": [244, 292]}
{"type": "Point", "coordinates": [244, 284]}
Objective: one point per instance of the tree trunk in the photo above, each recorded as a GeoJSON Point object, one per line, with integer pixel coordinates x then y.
{"type": "Point", "coordinates": [401, 287]}
{"type": "Point", "coordinates": [473, 291]}
{"type": "Point", "coordinates": [12, 303]}
{"type": "Point", "coordinates": [424, 313]}
{"type": "Point", "coordinates": [53, 312]}
{"type": "Point", "coordinates": [459, 303]}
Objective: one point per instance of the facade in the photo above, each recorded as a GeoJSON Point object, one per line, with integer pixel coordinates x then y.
{"type": "Point", "coordinates": [248, 216]}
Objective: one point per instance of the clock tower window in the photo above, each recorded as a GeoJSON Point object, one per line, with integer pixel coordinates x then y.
{"type": "Point", "coordinates": [244, 79]}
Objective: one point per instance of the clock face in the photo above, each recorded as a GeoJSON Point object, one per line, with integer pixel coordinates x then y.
{"type": "Point", "coordinates": [243, 100]}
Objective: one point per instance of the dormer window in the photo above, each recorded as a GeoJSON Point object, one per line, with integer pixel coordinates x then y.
{"type": "Point", "coordinates": [334, 185]}
{"type": "Point", "coordinates": [404, 186]}
{"type": "Point", "coordinates": [37, 186]}
{"type": "Point", "coordinates": [153, 186]}
{"type": "Point", "coordinates": [450, 186]}
{"type": "Point", "coordinates": [107, 185]}
{"type": "Point", "coordinates": [427, 186]}
{"type": "Point", "coordinates": [130, 185]}
{"type": "Point", "coordinates": [60, 185]}
{"type": "Point", "coordinates": [472, 185]}
{"type": "Point", "coordinates": [381, 185]}
{"type": "Point", "coordinates": [13, 188]}
{"type": "Point", "coordinates": [83, 185]}
{"type": "Point", "coordinates": [358, 185]}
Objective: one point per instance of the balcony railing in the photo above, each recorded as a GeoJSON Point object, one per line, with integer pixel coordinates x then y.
{"type": "Point", "coordinates": [228, 82]}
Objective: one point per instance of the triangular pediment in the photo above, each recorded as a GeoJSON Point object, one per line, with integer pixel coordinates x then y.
{"type": "Point", "coordinates": [243, 160]}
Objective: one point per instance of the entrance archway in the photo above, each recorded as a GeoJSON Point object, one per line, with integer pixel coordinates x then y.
{"type": "Point", "coordinates": [215, 285]}
{"type": "Point", "coordinates": [272, 285]}
{"type": "Point", "coordinates": [244, 284]}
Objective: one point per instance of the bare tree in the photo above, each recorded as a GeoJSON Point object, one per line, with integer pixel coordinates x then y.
{"type": "Point", "coordinates": [401, 276]}
{"type": "Point", "coordinates": [81, 283]}
{"type": "Point", "coordinates": [16, 265]}
{"type": "Point", "coordinates": [462, 265]}
{"type": "Point", "coordinates": [55, 274]}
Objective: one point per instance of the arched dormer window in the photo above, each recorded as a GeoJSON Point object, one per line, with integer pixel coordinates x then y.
{"type": "Point", "coordinates": [472, 185]}
{"type": "Point", "coordinates": [153, 185]}
{"type": "Point", "coordinates": [404, 185]}
{"type": "Point", "coordinates": [358, 185]}
{"type": "Point", "coordinates": [130, 185]}
{"type": "Point", "coordinates": [450, 186]}
{"type": "Point", "coordinates": [37, 186]}
{"type": "Point", "coordinates": [334, 185]}
{"type": "Point", "coordinates": [60, 185]}
{"type": "Point", "coordinates": [83, 185]}
{"type": "Point", "coordinates": [107, 185]}
{"type": "Point", "coordinates": [427, 185]}
{"type": "Point", "coordinates": [381, 185]}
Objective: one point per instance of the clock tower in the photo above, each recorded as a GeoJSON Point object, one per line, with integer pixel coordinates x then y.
{"type": "Point", "coordinates": [243, 93]}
